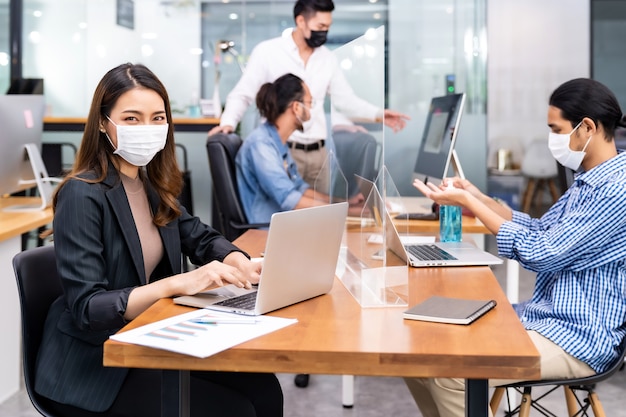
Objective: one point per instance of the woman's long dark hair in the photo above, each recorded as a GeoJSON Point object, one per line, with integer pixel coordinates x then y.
{"type": "Point", "coordinates": [95, 151]}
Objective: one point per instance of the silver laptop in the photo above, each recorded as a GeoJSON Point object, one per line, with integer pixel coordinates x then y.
{"type": "Point", "coordinates": [423, 254]}
{"type": "Point", "coordinates": [300, 259]}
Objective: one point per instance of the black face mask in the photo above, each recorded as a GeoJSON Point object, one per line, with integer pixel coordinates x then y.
{"type": "Point", "coordinates": [317, 38]}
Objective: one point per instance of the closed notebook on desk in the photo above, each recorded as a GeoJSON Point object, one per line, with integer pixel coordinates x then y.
{"type": "Point", "coordinates": [449, 310]}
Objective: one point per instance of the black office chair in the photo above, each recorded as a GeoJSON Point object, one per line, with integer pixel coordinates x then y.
{"type": "Point", "coordinates": [38, 286]}
{"type": "Point", "coordinates": [231, 219]}
{"type": "Point", "coordinates": [53, 157]}
{"type": "Point", "coordinates": [357, 153]}
{"type": "Point", "coordinates": [580, 393]}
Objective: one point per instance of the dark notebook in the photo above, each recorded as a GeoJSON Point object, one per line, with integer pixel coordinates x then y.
{"type": "Point", "coordinates": [449, 310]}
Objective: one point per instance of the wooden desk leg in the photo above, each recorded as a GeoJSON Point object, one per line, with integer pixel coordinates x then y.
{"type": "Point", "coordinates": [476, 397]}
{"type": "Point", "coordinates": [175, 393]}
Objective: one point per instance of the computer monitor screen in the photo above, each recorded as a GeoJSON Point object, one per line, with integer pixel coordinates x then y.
{"type": "Point", "coordinates": [26, 86]}
{"type": "Point", "coordinates": [436, 150]}
{"type": "Point", "coordinates": [21, 122]}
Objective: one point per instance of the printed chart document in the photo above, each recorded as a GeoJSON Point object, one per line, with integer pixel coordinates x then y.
{"type": "Point", "coordinates": [449, 310]}
{"type": "Point", "coordinates": [202, 333]}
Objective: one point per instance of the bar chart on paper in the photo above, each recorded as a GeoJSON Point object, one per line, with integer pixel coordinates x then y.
{"type": "Point", "coordinates": [202, 333]}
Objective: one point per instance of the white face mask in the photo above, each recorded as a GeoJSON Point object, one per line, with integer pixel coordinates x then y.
{"type": "Point", "coordinates": [306, 118]}
{"type": "Point", "coordinates": [559, 147]}
{"type": "Point", "coordinates": [137, 145]}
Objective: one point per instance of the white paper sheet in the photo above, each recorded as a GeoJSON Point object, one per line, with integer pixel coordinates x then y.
{"type": "Point", "coordinates": [181, 334]}
{"type": "Point", "coordinates": [406, 240]}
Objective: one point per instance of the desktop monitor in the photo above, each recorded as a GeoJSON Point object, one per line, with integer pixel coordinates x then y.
{"type": "Point", "coordinates": [21, 122]}
{"type": "Point", "coordinates": [26, 86]}
{"type": "Point", "coordinates": [436, 152]}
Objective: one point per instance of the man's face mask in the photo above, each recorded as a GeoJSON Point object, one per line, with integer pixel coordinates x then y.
{"type": "Point", "coordinates": [317, 38]}
{"type": "Point", "coordinates": [559, 147]}
{"type": "Point", "coordinates": [306, 116]}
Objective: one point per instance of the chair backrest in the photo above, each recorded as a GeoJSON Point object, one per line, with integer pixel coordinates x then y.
{"type": "Point", "coordinates": [356, 154]}
{"type": "Point", "coordinates": [53, 157]}
{"type": "Point", "coordinates": [185, 196]}
{"type": "Point", "coordinates": [538, 162]}
{"type": "Point", "coordinates": [38, 285]}
{"type": "Point", "coordinates": [221, 150]}
{"type": "Point", "coordinates": [594, 379]}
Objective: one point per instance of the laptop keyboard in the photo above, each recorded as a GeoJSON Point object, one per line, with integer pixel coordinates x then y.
{"type": "Point", "coordinates": [429, 253]}
{"type": "Point", "coordinates": [245, 302]}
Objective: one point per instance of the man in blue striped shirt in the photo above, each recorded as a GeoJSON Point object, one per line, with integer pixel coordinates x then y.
{"type": "Point", "coordinates": [577, 314]}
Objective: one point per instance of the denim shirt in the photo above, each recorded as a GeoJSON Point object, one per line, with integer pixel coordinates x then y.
{"type": "Point", "coordinates": [267, 177]}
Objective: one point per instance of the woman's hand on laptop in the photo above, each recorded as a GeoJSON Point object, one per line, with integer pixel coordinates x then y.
{"type": "Point", "coordinates": [250, 269]}
{"type": "Point", "coordinates": [217, 274]}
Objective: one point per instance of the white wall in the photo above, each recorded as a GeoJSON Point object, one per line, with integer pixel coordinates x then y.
{"type": "Point", "coordinates": [534, 46]}
{"type": "Point", "coordinates": [75, 42]}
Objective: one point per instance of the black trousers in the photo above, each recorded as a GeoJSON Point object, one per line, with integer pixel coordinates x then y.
{"type": "Point", "coordinates": [213, 394]}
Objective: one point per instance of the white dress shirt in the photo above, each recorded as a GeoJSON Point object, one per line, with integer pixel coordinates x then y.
{"type": "Point", "coordinates": [278, 56]}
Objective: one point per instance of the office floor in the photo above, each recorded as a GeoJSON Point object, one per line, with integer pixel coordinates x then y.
{"type": "Point", "coordinates": [379, 396]}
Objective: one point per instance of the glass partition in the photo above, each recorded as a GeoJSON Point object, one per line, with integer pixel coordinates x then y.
{"type": "Point", "coordinates": [374, 275]}
{"type": "Point", "coordinates": [4, 46]}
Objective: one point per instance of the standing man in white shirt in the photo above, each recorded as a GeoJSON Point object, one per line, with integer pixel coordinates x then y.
{"type": "Point", "coordinates": [302, 53]}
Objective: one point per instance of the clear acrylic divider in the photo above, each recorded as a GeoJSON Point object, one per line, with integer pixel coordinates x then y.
{"type": "Point", "coordinates": [331, 185]}
{"type": "Point", "coordinates": [373, 274]}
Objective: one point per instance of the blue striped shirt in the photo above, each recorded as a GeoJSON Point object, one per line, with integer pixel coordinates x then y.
{"type": "Point", "coordinates": [578, 250]}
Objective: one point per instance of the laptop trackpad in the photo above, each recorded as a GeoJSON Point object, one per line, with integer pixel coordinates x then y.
{"type": "Point", "coordinates": [208, 298]}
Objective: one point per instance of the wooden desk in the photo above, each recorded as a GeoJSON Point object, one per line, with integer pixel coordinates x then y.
{"type": "Point", "coordinates": [15, 223]}
{"type": "Point", "coordinates": [334, 335]}
{"type": "Point", "coordinates": [77, 124]}
{"type": "Point", "coordinates": [12, 225]}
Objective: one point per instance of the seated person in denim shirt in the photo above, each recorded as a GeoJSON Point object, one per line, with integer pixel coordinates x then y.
{"type": "Point", "coordinates": [267, 176]}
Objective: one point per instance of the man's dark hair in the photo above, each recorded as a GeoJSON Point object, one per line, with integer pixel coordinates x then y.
{"type": "Point", "coordinates": [308, 8]}
{"type": "Point", "coordinates": [584, 97]}
{"type": "Point", "coordinates": [273, 99]}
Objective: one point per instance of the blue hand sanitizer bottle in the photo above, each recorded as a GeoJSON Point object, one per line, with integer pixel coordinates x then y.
{"type": "Point", "coordinates": [450, 226]}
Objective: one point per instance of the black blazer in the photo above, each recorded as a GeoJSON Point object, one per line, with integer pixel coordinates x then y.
{"type": "Point", "coordinates": [100, 261]}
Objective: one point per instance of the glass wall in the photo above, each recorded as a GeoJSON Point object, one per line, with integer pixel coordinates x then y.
{"type": "Point", "coordinates": [72, 43]}
{"type": "Point", "coordinates": [432, 46]}
{"type": "Point", "coordinates": [238, 26]}
{"type": "Point", "coordinates": [5, 60]}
